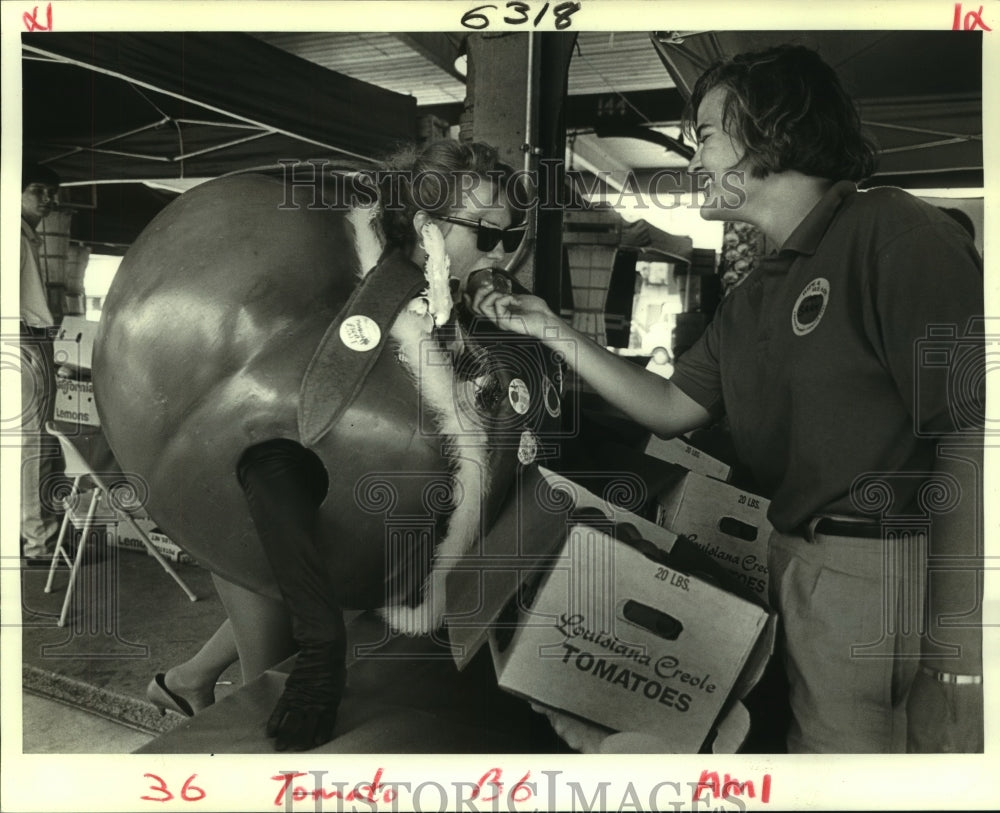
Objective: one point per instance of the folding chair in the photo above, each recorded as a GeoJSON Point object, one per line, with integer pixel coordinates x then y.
{"type": "Point", "coordinates": [78, 468]}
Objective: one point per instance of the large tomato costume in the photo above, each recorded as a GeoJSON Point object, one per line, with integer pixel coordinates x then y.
{"type": "Point", "coordinates": [238, 322]}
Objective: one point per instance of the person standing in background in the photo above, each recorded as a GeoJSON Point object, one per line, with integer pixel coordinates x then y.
{"type": "Point", "coordinates": [40, 457]}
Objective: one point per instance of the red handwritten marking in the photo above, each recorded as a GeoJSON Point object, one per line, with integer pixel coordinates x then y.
{"type": "Point", "coordinates": [367, 790]}
{"type": "Point", "coordinates": [491, 778]}
{"type": "Point", "coordinates": [186, 790]}
{"type": "Point", "coordinates": [489, 788]}
{"type": "Point", "coordinates": [973, 19]}
{"type": "Point", "coordinates": [730, 786]}
{"type": "Point", "coordinates": [521, 791]}
{"type": "Point", "coordinates": [31, 19]}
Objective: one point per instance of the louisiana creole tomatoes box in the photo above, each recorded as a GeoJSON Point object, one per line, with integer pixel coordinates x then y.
{"type": "Point", "coordinates": [678, 450]}
{"type": "Point", "coordinates": [631, 644]}
{"type": "Point", "coordinates": [612, 632]}
{"type": "Point", "coordinates": [729, 524]}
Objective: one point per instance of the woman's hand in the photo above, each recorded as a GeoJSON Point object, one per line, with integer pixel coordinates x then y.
{"type": "Point", "coordinates": [649, 400]}
{"type": "Point", "coordinates": [589, 738]}
{"type": "Point", "coordinates": [524, 314]}
{"type": "Point", "coordinates": [576, 733]}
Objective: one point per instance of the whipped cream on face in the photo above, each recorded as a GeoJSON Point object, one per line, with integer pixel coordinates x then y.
{"type": "Point", "coordinates": [437, 272]}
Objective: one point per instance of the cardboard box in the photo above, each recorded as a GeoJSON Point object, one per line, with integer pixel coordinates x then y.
{"type": "Point", "coordinates": [74, 343]}
{"type": "Point", "coordinates": [169, 549]}
{"type": "Point", "coordinates": [677, 450]}
{"type": "Point", "coordinates": [562, 604]}
{"type": "Point", "coordinates": [75, 402]}
{"type": "Point", "coordinates": [125, 537]}
{"type": "Point", "coordinates": [631, 644]}
{"type": "Point", "coordinates": [728, 524]}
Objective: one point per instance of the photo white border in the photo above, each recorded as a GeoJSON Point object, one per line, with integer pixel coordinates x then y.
{"type": "Point", "coordinates": [241, 783]}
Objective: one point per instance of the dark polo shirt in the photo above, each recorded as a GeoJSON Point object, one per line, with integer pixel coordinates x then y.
{"type": "Point", "coordinates": [821, 358]}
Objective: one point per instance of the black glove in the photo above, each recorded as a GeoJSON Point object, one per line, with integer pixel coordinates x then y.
{"type": "Point", "coordinates": [284, 484]}
{"type": "Point", "coordinates": [306, 713]}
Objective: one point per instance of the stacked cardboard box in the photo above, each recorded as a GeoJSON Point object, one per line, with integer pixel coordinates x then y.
{"type": "Point", "coordinates": [73, 345]}
{"type": "Point", "coordinates": [75, 401]}
{"type": "Point", "coordinates": [679, 451]}
{"type": "Point", "coordinates": [126, 537]}
{"type": "Point", "coordinates": [73, 349]}
{"type": "Point", "coordinates": [610, 631]}
{"type": "Point", "coordinates": [730, 525]}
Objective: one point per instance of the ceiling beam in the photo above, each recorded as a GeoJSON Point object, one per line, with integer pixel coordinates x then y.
{"type": "Point", "coordinates": [450, 112]}
{"type": "Point", "coordinates": [589, 110]}
{"type": "Point", "coordinates": [958, 178]}
{"type": "Point", "coordinates": [437, 48]}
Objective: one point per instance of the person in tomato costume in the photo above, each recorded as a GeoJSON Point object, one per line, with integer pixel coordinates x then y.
{"type": "Point", "coordinates": [274, 367]}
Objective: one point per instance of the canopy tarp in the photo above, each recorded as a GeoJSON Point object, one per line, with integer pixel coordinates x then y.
{"type": "Point", "coordinates": [919, 92]}
{"type": "Point", "coordinates": [131, 106]}
{"type": "Point", "coordinates": [116, 213]}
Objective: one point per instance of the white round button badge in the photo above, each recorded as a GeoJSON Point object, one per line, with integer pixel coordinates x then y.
{"type": "Point", "coordinates": [360, 333]}
{"type": "Point", "coordinates": [519, 396]}
{"type": "Point", "coordinates": [527, 450]}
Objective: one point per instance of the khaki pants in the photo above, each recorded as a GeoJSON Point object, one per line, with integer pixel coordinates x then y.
{"type": "Point", "coordinates": [850, 613]}
{"type": "Point", "coordinates": [41, 459]}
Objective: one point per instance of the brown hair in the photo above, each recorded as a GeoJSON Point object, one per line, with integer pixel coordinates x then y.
{"type": "Point", "coordinates": [37, 173]}
{"type": "Point", "coordinates": [790, 112]}
{"type": "Point", "coordinates": [433, 180]}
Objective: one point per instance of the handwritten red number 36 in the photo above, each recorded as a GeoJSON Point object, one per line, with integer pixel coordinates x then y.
{"type": "Point", "coordinates": [188, 790]}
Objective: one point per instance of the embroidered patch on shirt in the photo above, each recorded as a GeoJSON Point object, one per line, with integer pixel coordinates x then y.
{"type": "Point", "coordinates": [810, 306]}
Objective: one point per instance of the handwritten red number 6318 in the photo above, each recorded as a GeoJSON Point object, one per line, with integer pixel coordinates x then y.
{"type": "Point", "coordinates": [187, 791]}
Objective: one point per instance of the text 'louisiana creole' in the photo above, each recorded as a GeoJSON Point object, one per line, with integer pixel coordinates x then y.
{"type": "Point", "coordinates": [629, 676]}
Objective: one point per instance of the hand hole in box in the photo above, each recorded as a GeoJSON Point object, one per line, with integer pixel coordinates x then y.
{"type": "Point", "coordinates": [652, 620]}
{"type": "Point", "coordinates": [741, 530]}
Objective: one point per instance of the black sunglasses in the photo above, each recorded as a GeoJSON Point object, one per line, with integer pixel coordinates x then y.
{"type": "Point", "coordinates": [488, 236]}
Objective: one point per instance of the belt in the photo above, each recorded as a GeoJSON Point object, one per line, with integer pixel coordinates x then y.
{"type": "Point", "coordinates": [35, 332]}
{"type": "Point", "coordinates": [842, 526]}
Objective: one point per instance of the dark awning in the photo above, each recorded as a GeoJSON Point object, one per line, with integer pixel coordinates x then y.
{"type": "Point", "coordinates": [116, 106]}
{"type": "Point", "coordinates": [920, 92]}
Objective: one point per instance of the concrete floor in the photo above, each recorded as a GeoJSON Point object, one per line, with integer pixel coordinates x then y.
{"type": "Point", "coordinates": [45, 723]}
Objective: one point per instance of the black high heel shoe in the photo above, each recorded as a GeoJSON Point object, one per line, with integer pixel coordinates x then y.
{"type": "Point", "coordinates": [160, 696]}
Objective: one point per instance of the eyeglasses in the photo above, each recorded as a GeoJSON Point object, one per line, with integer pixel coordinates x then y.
{"type": "Point", "coordinates": [488, 236]}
